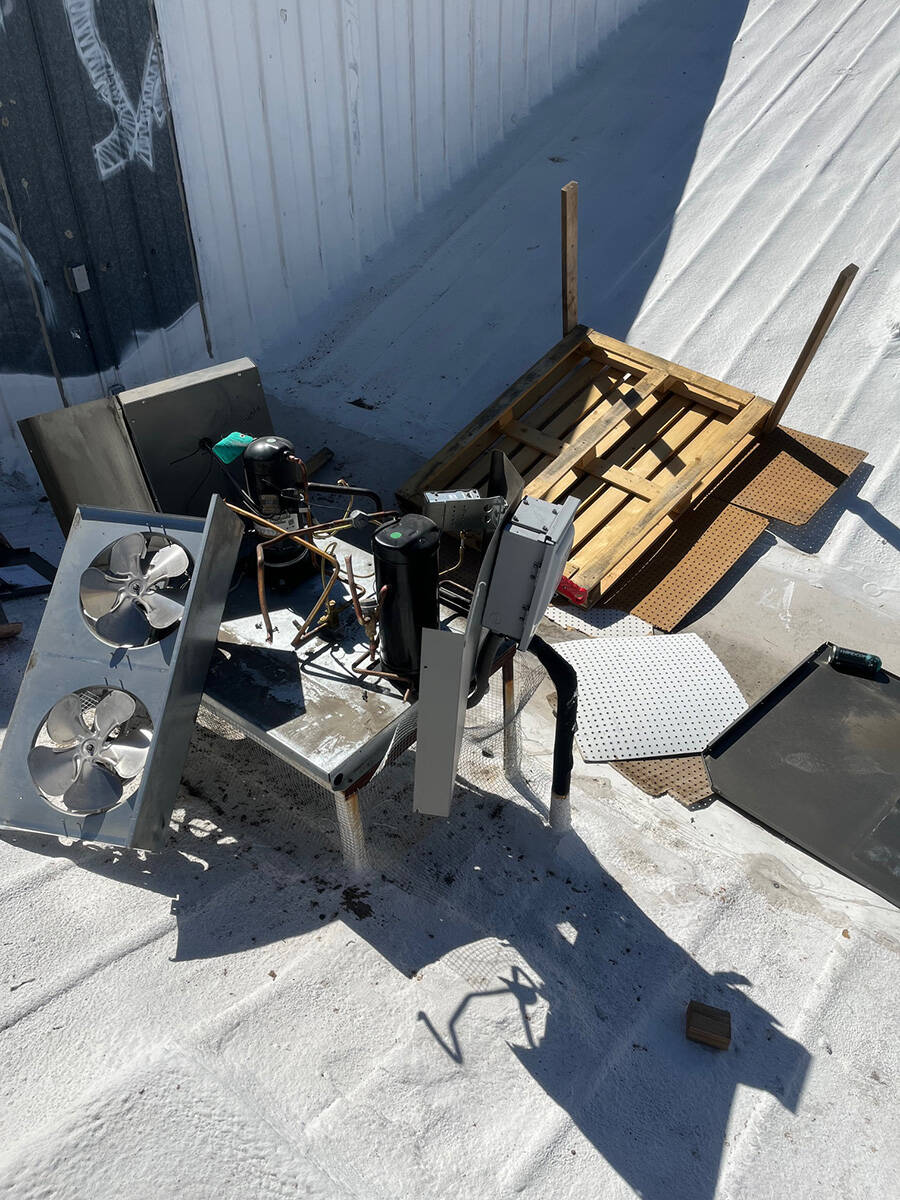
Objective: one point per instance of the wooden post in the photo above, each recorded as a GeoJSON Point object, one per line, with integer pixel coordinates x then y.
{"type": "Point", "coordinates": [826, 316]}
{"type": "Point", "coordinates": [569, 229]}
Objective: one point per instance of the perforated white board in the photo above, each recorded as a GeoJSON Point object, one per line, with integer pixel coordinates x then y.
{"type": "Point", "coordinates": [598, 622]}
{"type": "Point", "coordinates": [648, 697]}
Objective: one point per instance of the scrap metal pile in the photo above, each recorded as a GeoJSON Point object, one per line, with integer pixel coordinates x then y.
{"type": "Point", "coordinates": [605, 474]}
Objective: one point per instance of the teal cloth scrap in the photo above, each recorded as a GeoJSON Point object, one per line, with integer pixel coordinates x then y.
{"type": "Point", "coordinates": [232, 446]}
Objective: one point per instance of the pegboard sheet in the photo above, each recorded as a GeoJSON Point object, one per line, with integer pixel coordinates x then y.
{"type": "Point", "coordinates": [790, 475]}
{"type": "Point", "coordinates": [699, 551]}
{"type": "Point", "coordinates": [649, 697]}
{"type": "Point", "coordinates": [599, 622]}
{"type": "Point", "coordinates": [684, 778]}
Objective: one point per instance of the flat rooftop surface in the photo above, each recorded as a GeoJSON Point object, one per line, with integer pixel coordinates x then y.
{"type": "Point", "coordinates": [495, 1011]}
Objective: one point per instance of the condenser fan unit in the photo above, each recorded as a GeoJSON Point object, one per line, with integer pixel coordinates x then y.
{"type": "Point", "coordinates": [87, 764]}
{"type": "Point", "coordinates": [136, 593]}
{"type": "Point", "coordinates": [100, 731]}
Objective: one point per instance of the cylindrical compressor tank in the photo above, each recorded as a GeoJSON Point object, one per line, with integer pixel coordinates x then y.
{"type": "Point", "coordinates": [406, 562]}
{"type": "Point", "coordinates": [272, 481]}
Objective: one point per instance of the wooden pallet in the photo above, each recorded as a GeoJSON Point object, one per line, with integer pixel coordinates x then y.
{"type": "Point", "coordinates": [636, 438]}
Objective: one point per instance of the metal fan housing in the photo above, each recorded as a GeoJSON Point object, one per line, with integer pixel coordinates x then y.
{"type": "Point", "coordinates": [61, 768]}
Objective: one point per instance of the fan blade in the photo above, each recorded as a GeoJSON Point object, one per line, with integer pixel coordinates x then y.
{"type": "Point", "coordinates": [162, 609]}
{"type": "Point", "coordinates": [126, 755]}
{"type": "Point", "coordinates": [114, 709]}
{"type": "Point", "coordinates": [53, 770]}
{"type": "Point", "coordinates": [126, 554]}
{"type": "Point", "coordinates": [99, 593]}
{"type": "Point", "coordinates": [95, 790]}
{"type": "Point", "coordinates": [168, 563]}
{"type": "Point", "coordinates": [124, 626]}
{"type": "Point", "coordinates": [65, 722]}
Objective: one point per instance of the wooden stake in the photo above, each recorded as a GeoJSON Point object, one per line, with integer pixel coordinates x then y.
{"type": "Point", "coordinates": [569, 228]}
{"type": "Point", "coordinates": [807, 354]}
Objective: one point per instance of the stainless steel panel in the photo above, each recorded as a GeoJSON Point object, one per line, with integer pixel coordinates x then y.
{"type": "Point", "coordinates": [84, 455]}
{"type": "Point", "coordinates": [169, 419]}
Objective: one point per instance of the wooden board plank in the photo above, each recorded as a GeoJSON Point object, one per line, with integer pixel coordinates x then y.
{"type": "Point", "coordinates": [612, 350]}
{"type": "Point", "coordinates": [573, 389]}
{"type": "Point", "coordinates": [627, 481]}
{"type": "Point", "coordinates": [808, 353]}
{"type": "Point", "coordinates": [533, 437]}
{"type": "Point", "coordinates": [703, 396]}
{"type": "Point", "coordinates": [483, 429]}
{"type": "Point", "coordinates": [648, 450]}
{"type": "Point", "coordinates": [569, 236]}
{"type": "Point", "coordinates": [707, 486]}
{"type": "Point", "coordinates": [561, 472]}
{"type": "Point", "coordinates": [568, 422]}
{"type": "Point", "coordinates": [639, 518]}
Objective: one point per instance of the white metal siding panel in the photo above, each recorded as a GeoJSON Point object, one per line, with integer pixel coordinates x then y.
{"type": "Point", "coordinates": [311, 131]}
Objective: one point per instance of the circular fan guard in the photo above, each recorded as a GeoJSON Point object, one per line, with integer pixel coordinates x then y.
{"type": "Point", "coordinates": [85, 765]}
{"type": "Point", "coordinates": [134, 592]}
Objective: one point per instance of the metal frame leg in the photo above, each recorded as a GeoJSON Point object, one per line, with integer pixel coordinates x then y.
{"type": "Point", "coordinates": [510, 727]}
{"type": "Point", "coordinates": [351, 831]}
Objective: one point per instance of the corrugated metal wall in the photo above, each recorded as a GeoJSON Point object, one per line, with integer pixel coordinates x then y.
{"type": "Point", "coordinates": [311, 131]}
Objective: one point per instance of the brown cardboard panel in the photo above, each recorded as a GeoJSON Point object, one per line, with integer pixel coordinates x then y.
{"type": "Point", "coordinates": [683, 777]}
{"type": "Point", "coordinates": [703, 545]}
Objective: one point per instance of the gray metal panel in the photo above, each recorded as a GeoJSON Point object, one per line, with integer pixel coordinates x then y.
{"type": "Point", "coordinates": [818, 760]}
{"type": "Point", "coordinates": [166, 676]}
{"type": "Point", "coordinates": [167, 421]}
{"type": "Point", "coordinates": [443, 688]}
{"type": "Point", "coordinates": [213, 567]}
{"type": "Point", "coordinates": [530, 561]}
{"type": "Point", "coordinates": [84, 455]}
{"type": "Point", "coordinates": [443, 696]}
{"type": "Point", "coordinates": [306, 706]}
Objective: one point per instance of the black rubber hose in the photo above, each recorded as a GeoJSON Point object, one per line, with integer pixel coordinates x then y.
{"type": "Point", "coordinates": [343, 490]}
{"type": "Point", "coordinates": [487, 655]}
{"type": "Point", "coordinates": [565, 681]}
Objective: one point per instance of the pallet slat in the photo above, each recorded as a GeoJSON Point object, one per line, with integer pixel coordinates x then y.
{"type": "Point", "coordinates": [509, 405]}
{"type": "Point", "coordinates": [614, 542]}
{"type": "Point", "coordinates": [636, 438]}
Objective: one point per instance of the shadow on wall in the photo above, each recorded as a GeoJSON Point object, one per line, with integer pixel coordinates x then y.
{"type": "Point", "coordinates": [248, 869]}
{"type": "Point", "coordinates": [468, 297]}
{"type": "Point", "coordinates": [651, 110]}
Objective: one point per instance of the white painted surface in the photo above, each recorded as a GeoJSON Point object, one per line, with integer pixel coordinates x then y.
{"type": "Point", "coordinates": [312, 131]}
{"type": "Point", "coordinates": [310, 134]}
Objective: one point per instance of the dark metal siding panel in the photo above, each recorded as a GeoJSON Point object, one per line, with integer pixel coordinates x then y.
{"type": "Point", "coordinates": [90, 166]}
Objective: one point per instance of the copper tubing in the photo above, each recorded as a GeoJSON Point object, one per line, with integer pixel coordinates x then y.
{"type": "Point", "coordinates": [261, 590]}
{"type": "Point", "coordinates": [281, 534]}
{"type": "Point", "coordinates": [295, 642]}
{"type": "Point", "coordinates": [345, 522]}
{"type": "Point", "coordinates": [304, 475]}
{"type": "Point", "coordinates": [348, 566]}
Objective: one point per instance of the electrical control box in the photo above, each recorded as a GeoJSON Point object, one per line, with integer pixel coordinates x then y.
{"type": "Point", "coordinates": [464, 511]}
{"type": "Point", "coordinates": [531, 559]}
